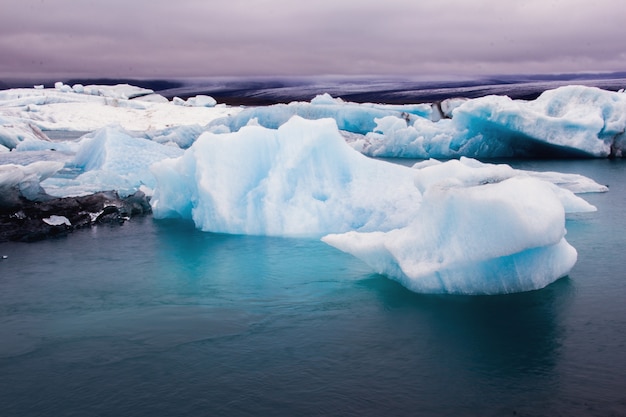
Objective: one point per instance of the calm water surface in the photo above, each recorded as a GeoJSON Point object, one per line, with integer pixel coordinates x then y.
{"type": "Point", "coordinates": [156, 318]}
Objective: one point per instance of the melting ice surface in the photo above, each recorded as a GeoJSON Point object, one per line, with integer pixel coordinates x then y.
{"type": "Point", "coordinates": [293, 170]}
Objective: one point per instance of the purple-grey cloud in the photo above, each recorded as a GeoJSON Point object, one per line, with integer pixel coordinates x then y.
{"type": "Point", "coordinates": [159, 38]}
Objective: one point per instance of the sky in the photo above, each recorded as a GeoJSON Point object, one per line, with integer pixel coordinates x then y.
{"type": "Point", "coordinates": [202, 38]}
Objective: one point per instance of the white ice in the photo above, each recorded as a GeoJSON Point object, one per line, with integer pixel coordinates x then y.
{"type": "Point", "coordinates": [111, 159]}
{"type": "Point", "coordinates": [24, 180]}
{"type": "Point", "coordinates": [55, 220]}
{"type": "Point", "coordinates": [299, 179]}
{"type": "Point", "coordinates": [455, 227]}
{"type": "Point", "coordinates": [351, 117]}
{"type": "Point", "coordinates": [573, 120]}
{"type": "Point", "coordinates": [88, 108]}
{"type": "Point", "coordinates": [482, 239]}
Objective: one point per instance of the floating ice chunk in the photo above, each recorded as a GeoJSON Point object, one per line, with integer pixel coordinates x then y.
{"type": "Point", "coordinates": [64, 88]}
{"type": "Point", "coordinates": [11, 134]}
{"type": "Point", "coordinates": [12, 175]}
{"type": "Point", "coordinates": [181, 136]}
{"type": "Point", "coordinates": [325, 99]}
{"type": "Point", "coordinates": [447, 106]}
{"type": "Point", "coordinates": [394, 137]}
{"type": "Point", "coordinates": [201, 101]}
{"type": "Point", "coordinates": [55, 220]}
{"type": "Point", "coordinates": [567, 121]}
{"type": "Point", "coordinates": [483, 239]}
{"type": "Point", "coordinates": [458, 227]}
{"type": "Point", "coordinates": [300, 179]}
{"type": "Point", "coordinates": [111, 159]}
{"type": "Point", "coordinates": [119, 91]}
{"type": "Point", "coordinates": [24, 181]}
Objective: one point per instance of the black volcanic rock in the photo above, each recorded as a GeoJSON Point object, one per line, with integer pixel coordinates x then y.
{"type": "Point", "coordinates": [25, 220]}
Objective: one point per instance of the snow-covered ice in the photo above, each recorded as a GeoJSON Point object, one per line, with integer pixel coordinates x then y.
{"type": "Point", "coordinates": [133, 108]}
{"type": "Point", "coordinates": [567, 121]}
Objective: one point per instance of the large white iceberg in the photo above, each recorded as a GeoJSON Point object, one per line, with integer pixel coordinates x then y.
{"type": "Point", "coordinates": [483, 239]}
{"type": "Point", "coordinates": [299, 179]}
{"type": "Point", "coordinates": [455, 227]}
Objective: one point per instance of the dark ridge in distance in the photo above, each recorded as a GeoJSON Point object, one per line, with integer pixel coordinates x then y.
{"type": "Point", "coordinates": [267, 91]}
{"type": "Point", "coordinates": [263, 91]}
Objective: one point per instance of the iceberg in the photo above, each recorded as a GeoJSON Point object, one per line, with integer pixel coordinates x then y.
{"type": "Point", "coordinates": [111, 159]}
{"type": "Point", "coordinates": [483, 239]}
{"type": "Point", "coordinates": [481, 229]}
{"type": "Point", "coordinates": [13, 132]}
{"type": "Point", "coordinates": [24, 181]}
{"type": "Point", "coordinates": [196, 101]}
{"type": "Point", "coordinates": [460, 227]}
{"type": "Point", "coordinates": [298, 180]}
{"type": "Point", "coordinates": [572, 121]}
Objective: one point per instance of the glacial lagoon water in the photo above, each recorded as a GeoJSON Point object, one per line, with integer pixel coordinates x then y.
{"type": "Point", "coordinates": [154, 318]}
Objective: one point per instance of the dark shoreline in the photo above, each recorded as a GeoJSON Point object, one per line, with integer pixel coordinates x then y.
{"type": "Point", "coordinates": [25, 220]}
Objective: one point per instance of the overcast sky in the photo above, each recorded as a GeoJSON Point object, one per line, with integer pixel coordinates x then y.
{"type": "Point", "coordinates": [186, 38]}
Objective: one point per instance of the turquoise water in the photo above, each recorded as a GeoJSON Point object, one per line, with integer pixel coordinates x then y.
{"type": "Point", "coordinates": [156, 318]}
